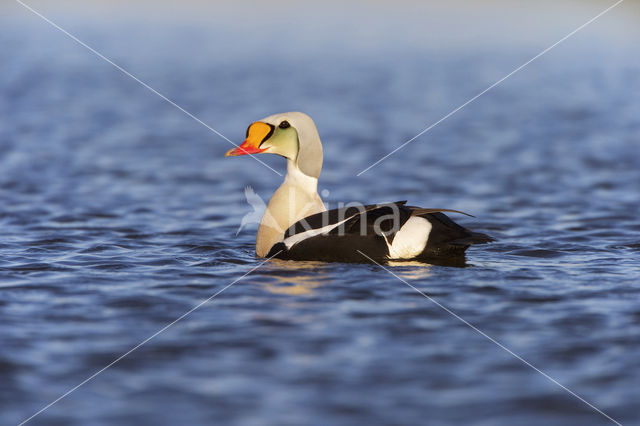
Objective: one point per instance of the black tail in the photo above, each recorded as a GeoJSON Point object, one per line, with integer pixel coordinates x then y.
{"type": "Point", "coordinates": [474, 238]}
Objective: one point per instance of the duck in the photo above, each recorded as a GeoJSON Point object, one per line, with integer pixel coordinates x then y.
{"type": "Point", "coordinates": [296, 224]}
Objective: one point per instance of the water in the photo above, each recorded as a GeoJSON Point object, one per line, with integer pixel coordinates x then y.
{"type": "Point", "coordinates": [118, 214]}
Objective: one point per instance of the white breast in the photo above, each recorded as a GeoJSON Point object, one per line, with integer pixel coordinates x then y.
{"type": "Point", "coordinates": [411, 239]}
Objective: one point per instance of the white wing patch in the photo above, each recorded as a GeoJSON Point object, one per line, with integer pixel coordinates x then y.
{"type": "Point", "coordinates": [411, 239]}
{"type": "Point", "coordinates": [296, 238]}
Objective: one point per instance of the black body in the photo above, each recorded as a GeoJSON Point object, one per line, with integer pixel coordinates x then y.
{"type": "Point", "coordinates": [367, 229]}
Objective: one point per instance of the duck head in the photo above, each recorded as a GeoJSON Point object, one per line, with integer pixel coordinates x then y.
{"type": "Point", "coordinates": [292, 135]}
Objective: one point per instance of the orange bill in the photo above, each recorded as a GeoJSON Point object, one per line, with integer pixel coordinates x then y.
{"type": "Point", "coordinates": [257, 133]}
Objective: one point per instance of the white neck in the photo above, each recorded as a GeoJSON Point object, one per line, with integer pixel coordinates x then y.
{"type": "Point", "coordinates": [295, 199]}
{"type": "Point", "coordinates": [296, 177]}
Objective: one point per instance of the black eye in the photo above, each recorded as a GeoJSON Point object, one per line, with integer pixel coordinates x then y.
{"type": "Point", "coordinates": [284, 125]}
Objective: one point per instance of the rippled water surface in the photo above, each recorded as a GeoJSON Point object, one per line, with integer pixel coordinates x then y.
{"type": "Point", "coordinates": [118, 214]}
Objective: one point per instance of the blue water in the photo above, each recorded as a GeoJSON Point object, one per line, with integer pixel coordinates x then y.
{"type": "Point", "coordinates": [118, 214]}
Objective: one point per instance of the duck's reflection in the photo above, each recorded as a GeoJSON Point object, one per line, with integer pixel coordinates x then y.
{"type": "Point", "coordinates": [415, 270]}
{"type": "Point", "coordinates": [410, 270]}
{"type": "Point", "coordinates": [295, 278]}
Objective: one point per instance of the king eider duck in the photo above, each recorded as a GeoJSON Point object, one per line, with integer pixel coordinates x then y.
{"type": "Point", "coordinates": [297, 226]}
